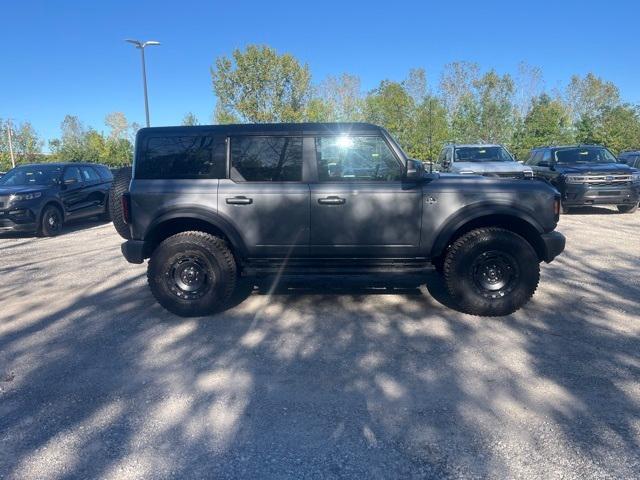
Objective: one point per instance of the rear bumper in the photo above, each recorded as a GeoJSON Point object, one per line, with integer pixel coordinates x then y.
{"type": "Point", "coordinates": [133, 251]}
{"type": "Point", "coordinates": [554, 243]}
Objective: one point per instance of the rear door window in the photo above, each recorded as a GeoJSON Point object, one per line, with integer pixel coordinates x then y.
{"type": "Point", "coordinates": [182, 157]}
{"type": "Point", "coordinates": [72, 173]}
{"type": "Point", "coordinates": [266, 159]}
{"type": "Point", "coordinates": [89, 175]}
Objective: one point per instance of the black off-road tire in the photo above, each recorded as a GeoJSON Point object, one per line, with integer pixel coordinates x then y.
{"type": "Point", "coordinates": [469, 265]}
{"type": "Point", "coordinates": [120, 185]}
{"type": "Point", "coordinates": [172, 266]}
{"type": "Point", "coordinates": [51, 221]}
{"type": "Point", "coordinates": [627, 208]}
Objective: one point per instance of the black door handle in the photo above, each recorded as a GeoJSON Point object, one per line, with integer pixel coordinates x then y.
{"type": "Point", "coordinates": [332, 200]}
{"type": "Point", "coordinates": [239, 201]}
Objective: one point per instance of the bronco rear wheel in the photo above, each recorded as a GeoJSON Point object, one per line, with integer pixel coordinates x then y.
{"type": "Point", "coordinates": [491, 272]}
{"type": "Point", "coordinates": [192, 273]}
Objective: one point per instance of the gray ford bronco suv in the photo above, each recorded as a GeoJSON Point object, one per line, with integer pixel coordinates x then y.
{"type": "Point", "coordinates": [208, 204]}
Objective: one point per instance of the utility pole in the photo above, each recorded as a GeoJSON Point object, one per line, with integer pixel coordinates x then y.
{"type": "Point", "coordinates": [13, 160]}
{"type": "Point", "coordinates": [141, 46]}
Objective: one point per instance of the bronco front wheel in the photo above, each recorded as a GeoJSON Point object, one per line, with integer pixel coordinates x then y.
{"type": "Point", "coordinates": [192, 273]}
{"type": "Point", "coordinates": [491, 272]}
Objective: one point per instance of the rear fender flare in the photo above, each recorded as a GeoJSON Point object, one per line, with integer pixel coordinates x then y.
{"type": "Point", "coordinates": [205, 215]}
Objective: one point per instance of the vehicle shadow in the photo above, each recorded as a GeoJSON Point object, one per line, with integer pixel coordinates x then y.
{"type": "Point", "coordinates": [71, 227]}
{"type": "Point", "coordinates": [345, 381]}
{"type": "Point", "coordinates": [589, 210]}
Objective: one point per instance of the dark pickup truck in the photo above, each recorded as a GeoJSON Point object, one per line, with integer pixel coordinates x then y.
{"type": "Point", "coordinates": [208, 204]}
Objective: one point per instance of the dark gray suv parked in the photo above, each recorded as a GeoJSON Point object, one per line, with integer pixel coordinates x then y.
{"type": "Point", "coordinates": [208, 204]}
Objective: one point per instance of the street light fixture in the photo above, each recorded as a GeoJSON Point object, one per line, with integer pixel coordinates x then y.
{"type": "Point", "coordinates": [141, 45]}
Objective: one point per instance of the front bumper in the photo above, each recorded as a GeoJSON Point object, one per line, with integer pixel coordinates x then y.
{"type": "Point", "coordinates": [580, 194]}
{"type": "Point", "coordinates": [18, 220]}
{"type": "Point", "coordinates": [554, 243]}
{"type": "Point", "coordinates": [133, 251]}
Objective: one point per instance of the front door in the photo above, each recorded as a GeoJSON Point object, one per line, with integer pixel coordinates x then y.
{"type": "Point", "coordinates": [265, 198]}
{"type": "Point", "coordinates": [360, 205]}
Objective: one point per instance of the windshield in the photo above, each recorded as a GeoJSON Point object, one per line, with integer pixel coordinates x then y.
{"type": "Point", "coordinates": [585, 155]}
{"type": "Point", "coordinates": [482, 154]}
{"type": "Point", "coordinates": [26, 176]}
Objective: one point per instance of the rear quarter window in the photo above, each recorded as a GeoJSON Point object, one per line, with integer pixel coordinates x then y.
{"type": "Point", "coordinates": [181, 157]}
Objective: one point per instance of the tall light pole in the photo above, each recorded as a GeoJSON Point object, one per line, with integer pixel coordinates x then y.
{"type": "Point", "coordinates": [141, 45]}
{"type": "Point", "coordinates": [13, 160]}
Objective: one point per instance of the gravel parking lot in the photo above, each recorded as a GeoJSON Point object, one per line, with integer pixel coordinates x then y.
{"type": "Point", "coordinates": [307, 381]}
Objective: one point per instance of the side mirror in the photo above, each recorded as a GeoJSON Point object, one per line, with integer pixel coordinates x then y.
{"type": "Point", "coordinates": [415, 170]}
{"type": "Point", "coordinates": [446, 164]}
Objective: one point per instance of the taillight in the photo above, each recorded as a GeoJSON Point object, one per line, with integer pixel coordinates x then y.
{"type": "Point", "coordinates": [556, 208]}
{"type": "Point", "coordinates": [126, 208]}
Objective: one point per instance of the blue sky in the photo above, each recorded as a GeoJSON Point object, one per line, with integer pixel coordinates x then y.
{"type": "Point", "coordinates": [62, 57]}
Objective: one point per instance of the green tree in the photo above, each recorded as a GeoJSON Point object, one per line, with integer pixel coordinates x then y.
{"type": "Point", "coordinates": [547, 123]}
{"type": "Point", "coordinates": [190, 119]}
{"type": "Point", "coordinates": [618, 128]}
{"type": "Point", "coordinates": [260, 85]}
{"type": "Point", "coordinates": [342, 98]}
{"type": "Point", "coordinates": [391, 106]}
{"type": "Point", "coordinates": [496, 109]}
{"type": "Point", "coordinates": [26, 143]}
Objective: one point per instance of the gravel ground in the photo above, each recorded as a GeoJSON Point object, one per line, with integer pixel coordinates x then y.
{"type": "Point", "coordinates": [303, 381]}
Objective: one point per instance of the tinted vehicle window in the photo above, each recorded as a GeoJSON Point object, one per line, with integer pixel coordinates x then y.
{"type": "Point", "coordinates": [266, 159]}
{"type": "Point", "coordinates": [72, 173]}
{"type": "Point", "coordinates": [182, 157]}
{"type": "Point", "coordinates": [546, 157]}
{"type": "Point", "coordinates": [353, 158]}
{"type": "Point", "coordinates": [32, 175]}
{"type": "Point", "coordinates": [104, 173]}
{"type": "Point", "coordinates": [482, 154]}
{"type": "Point", "coordinates": [585, 155]}
{"type": "Point", "coordinates": [535, 158]}
{"type": "Point", "coordinates": [89, 174]}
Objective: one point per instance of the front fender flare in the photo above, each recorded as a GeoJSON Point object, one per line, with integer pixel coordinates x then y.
{"type": "Point", "coordinates": [474, 212]}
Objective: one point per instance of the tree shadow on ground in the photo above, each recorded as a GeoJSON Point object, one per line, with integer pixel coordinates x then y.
{"type": "Point", "coordinates": [299, 380]}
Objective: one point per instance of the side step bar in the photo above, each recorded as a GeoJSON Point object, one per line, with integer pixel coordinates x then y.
{"type": "Point", "coordinates": [334, 266]}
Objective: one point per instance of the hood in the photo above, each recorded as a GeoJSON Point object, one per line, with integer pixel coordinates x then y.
{"type": "Point", "coordinates": [8, 190]}
{"type": "Point", "coordinates": [489, 167]}
{"type": "Point", "coordinates": [595, 168]}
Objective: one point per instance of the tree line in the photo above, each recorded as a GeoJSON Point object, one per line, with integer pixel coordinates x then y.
{"type": "Point", "coordinates": [466, 104]}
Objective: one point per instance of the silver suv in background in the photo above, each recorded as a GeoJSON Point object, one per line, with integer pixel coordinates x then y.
{"type": "Point", "coordinates": [479, 159]}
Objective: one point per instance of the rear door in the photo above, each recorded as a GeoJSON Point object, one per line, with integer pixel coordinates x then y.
{"type": "Point", "coordinates": [72, 191]}
{"type": "Point", "coordinates": [360, 205]}
{"type": "Point", "coordinates": [265, 197]}
{"type": "Point", "coordinates": [93, 192]}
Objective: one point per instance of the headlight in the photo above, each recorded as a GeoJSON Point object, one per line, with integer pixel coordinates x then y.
{"type": "Point", "coordinates": [24, 196]}
{"type": "Point", "coordinates": [575, 179]}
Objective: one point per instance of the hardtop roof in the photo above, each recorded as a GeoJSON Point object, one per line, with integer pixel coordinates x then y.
{"type": "Point", "coordinates": [268, 128]}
